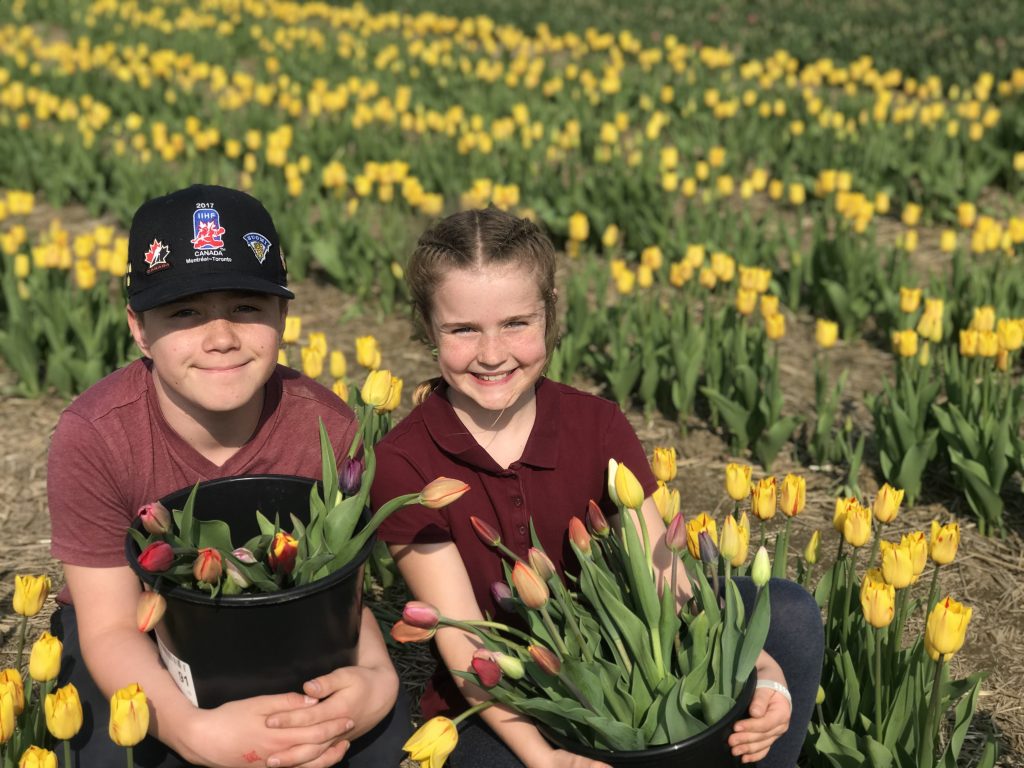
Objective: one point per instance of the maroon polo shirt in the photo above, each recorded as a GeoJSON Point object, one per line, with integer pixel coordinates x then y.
{"type": "Point", "coordinates": [563, 466]}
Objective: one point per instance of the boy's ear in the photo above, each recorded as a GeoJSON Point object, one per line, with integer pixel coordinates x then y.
{"type": "Point", "coordinates": [138, 329]}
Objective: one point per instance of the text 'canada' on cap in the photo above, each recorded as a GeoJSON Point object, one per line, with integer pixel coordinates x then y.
{"type": "Point", "coordinates": [201, 239]}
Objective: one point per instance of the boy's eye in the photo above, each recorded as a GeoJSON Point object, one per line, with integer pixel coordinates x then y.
{"type": "Point", "coordinates": [183, 312]}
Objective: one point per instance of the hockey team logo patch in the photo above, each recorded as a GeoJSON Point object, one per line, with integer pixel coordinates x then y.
{"type": "Point", "coordinates": [259, 245]}
{"type": "Point", "coordinates": [207, 232]}
{"type": "Point", "coordinates": [156, 256]}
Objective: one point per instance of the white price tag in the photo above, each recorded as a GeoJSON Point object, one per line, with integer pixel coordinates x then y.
{"type": "Point", "coordinates": [180, 671]}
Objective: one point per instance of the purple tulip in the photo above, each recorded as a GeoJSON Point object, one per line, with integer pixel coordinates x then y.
{"type": "Point", "coordinates": [350, 475]}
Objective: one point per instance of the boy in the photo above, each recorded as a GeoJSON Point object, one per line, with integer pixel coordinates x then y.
{"type": "Point", "coordinates": [207, 300]}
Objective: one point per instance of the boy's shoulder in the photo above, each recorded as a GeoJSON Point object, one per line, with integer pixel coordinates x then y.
{"type": "Point", "coordinates": [124, 388]}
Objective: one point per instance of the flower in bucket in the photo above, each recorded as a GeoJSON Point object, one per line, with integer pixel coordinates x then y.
{"type": "Point", "coordinates": [607, 659]}
{"type": "Point", "coordinates": [201, 554]}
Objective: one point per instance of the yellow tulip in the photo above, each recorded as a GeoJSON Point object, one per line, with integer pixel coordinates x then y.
{"type": "Point", "coordinates": [340, 388]}
{"type": "Point", "coordinates": [312, 362]}
{"type": "Point", "coordinates": [988, 344]}
{"type": "Point", "coordinates": [911, 214]}
{"type": "Point", "coordinates": [966, 214]}
{"type": "Point", "coordinates": [897, 564]}
{"type": "Point", "coordinates": [7, 716]}
{"type": "Point", "coordinates": [433, 742]}
{"type": "Point", "coordinates": [811, 550]}
{"type": "Point", "coordinates": [628, 488]}
{"type": "Point", "coordinates": [667, 502]}
{"type": "Point", "coordinates": [775, 326]}
{"type": "Point", "coordinates": [842, 510]}
{"type": "Point", "coordinates": [946, 629]}
{"type": "Point", "coordinates": [129, 716]}
{"type": "Point", "coordinates": [793, 495]}
{"type": "Point", "coordinates": [763, 504]}
{"type": "Point", "coordinates": [730, 541]}
{"type": "Point", "coordinates": [857, 525]}
{"type": "Point", "coordinates": [394, 396]}
{"type": "Point", "coordinates": [746, 300]}
{"type": "Point", "coordinates": [930, 324]}
{"type": "Point", "coordinates": [37, 757]}
{"type": "Point", "coordinates": [338, 365]}
{"type": "Point", "coordinates": [694, 527]}
{"type": "Point", "coordinates": [905, 343]}
{"type": "Point", "coordinates": [737, 481]}
{"type": "Point", "coordinates": [13, 677]}
{"type": "Point", "coordinates": [887, 503]}
{"type": "Point", "coordinates": [579, 227]}
{"type": "Point", "coordinates": [318, 341]}
{"type": "Point", "coordinates": [610, 236]}
{"type": "Point", "coordinates": [63, 712]}
{"type": "Point", "coordinates": [44, 661]}
{"type": "Point", "coordinates": [664, 464]}
{"type": "Point", "coordinates": [826, 333]}
{"type": "Point", "coordinates": [368, 352]}
{"type": "Point", "coordinates": [1010, 334]}
{"type": "Point", "coordinates": [292, 329]}
{"type": "Point", "coordinates": [918, 546]}
{"type": "Point", "coordinates": [910, 299]}
{"type": "Point", "coordinates": [969, 343]}
{"type": "Point", "coordinates": [29, 594]}
{"type": "Point", "coordinates": [877, 599]}
{"type": "Point", "coordinates": [652, 257]}
{"type": "Point", "coordinates": [983, 318]}
{"type": "Point", "coordinates": [744, 530]}
{"type": "Point", "coordinates": [945, 540]}
{"type": "Point", "coordinates": [376, 390]}
{"type": "Point", "coordinates": [947, 240]}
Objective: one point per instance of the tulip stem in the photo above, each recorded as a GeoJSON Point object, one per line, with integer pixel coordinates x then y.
{"type": "Point", "coordinates": [875, 546]}
{"type": "Point", "coordinates": [571, 620]}
{"type": "Point", "coordinates": [473, 710]}
{"type": "Point", "coordinates": [832, 593]}
{"type": "Point", "coordinates": [473, 626]}
{"type": "Point", "coordinates": [67, 753]}
{"type": "Point", "coordinates": [131, 759]}
{"type": "Point", "coordinates": [850, 574]}
{"type": "Point", "coordinates": [933, 591]}
{"type": "Point", "coordinates": [556, 638]}
{"type": "Point", "coordinates": [21, 640]}
{"type": "Point", "coordinates": [931, 736]}
{"type": "Point", "coordinates": [878, 685]}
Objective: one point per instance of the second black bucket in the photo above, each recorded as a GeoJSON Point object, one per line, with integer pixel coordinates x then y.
{"type": "Point", "coordinates": [233, 647]}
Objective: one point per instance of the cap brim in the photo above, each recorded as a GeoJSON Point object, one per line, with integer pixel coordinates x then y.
{"type": "Point", "coordinates": [170, 290]}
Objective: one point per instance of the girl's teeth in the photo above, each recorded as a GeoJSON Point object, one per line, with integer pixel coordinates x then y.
{"type": "Point", "coordinates": [498, 377]}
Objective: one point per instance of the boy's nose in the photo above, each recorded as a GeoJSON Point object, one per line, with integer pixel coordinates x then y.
{"type": "Point", "coordinates": [221, 335]}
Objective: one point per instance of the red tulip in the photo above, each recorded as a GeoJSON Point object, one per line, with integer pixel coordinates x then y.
{"type": "Point", "coordinates": [283, 550]}
{"type": "Point", "coordinates": [596, 520]}
{"type": "Point", "coordinates": [486, 668]}
{"type": "Point", "coordinates": [487, 533]}
{"type": "Point", "coordinates": [157, 557]}
{"type": "Point", "coordinates": [675, 536]}
{"type": "Point", "coordinates": [209, 566]}
{"type": "Point", "coordinates": [579, 536]}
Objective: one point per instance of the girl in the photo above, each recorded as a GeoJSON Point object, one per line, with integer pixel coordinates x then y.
{"type": "Point", "coordinates": [482, 285]}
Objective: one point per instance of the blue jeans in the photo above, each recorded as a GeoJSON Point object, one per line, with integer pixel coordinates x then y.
{"type": "Point", "coordinates": [795, 640]}
{"type": "Point", "coordinates": [92, 747]}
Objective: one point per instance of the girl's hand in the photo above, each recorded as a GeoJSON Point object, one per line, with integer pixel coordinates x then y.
{"type": "Point", "coordinates": [562, 759]}
{"type": "Point", "coordinates": [769, 719]}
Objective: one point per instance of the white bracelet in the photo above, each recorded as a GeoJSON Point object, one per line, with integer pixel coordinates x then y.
{"type": "Point", "coordinates": [778, 688]}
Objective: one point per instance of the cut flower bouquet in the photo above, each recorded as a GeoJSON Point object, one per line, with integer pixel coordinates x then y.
{"type": "Point", "coordinates": [610, 659]}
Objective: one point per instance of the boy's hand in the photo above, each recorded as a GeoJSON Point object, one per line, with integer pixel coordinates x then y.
{"type": "Point", "coordinates": [769, 719]}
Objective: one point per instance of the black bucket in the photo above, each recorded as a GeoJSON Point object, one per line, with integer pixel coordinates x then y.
{"type": "Point", "coordinates": [233, 647]}
{"type": "Point", "coordinates": [707, 749]}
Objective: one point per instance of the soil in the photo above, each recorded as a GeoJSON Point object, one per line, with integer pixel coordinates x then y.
{"type": "Point", "coordinates": [988, 573]}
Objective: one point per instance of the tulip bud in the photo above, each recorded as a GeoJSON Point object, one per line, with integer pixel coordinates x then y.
{"type": "Point", "coordinates": [486, 668]}
{"type": "Point", "coordinates": [826, 333]}
{"type": "Point", "coordinates": [367, 353]}
{"type": "Point", "coordinates": [793, 495]}
{"type": "Point", "coordinates": [737, 481]}
{"type": "Point", "coordinates": [10, 678]}
{"type": "Point", "coordinates": [857, 525]}
{"type": "Point", "coordinates": [667, 502]}
{"type": "Point", "coordinates": [284, 548]}
{"type": "Point", "coordinates": [761, 569]}
{"type": "Point", "coordinates": [157, 557]}
{"type": "Point", "coordinates": [149, 610]}
{"type": "Point", "coordinates": [244, 555]}
{"type": "Point", "coordinates": [702, 522]}
{"type": "Point", "coordinates": [946, 629]}
{"type": "Point", "coordinates": [63, 712]}
{"type": "Point", "coordinates": [545, 659]}
{"type": "Point", "coordinates": [502, 595]}
{"type": "Point", "coordinates": [8, 722]}
{"type": "Point", "coordinates": [29, 594]}
{"type": "Point", "coordinates": [764, 504]}
{"type": "Point", "coordinates": [155, 518]}
{"type": "Point", "coordinates": [811, 550]}
{"type": "Point", "coordinates": [541, 563]}
{"type": "Point", "coordinates": [511, 667]}
{"type": "Point", "coordinates": [235, 578]}
{"type": "Point", "coordinates": [820, 697]}
{"type": "Point", "coordinates": [613, 468]}
{"type": "Point", "coordinates": [596, 520]}
{"type": "Point", "coordinates": [441, 492]}
{"type": "Point", "coordinates": [485, 531]}
{"type": "Point", "coordinates": [419, 614]}
{"type": "Point", "coordinates": [376, 389]}
{"type": "Point", "coordinates": [37, 757]}
{"type": "Point", "coordinates": [887, 503]}
{"type": "Point", "coordinates": [897, 564]}
{"type": "Point", "coordinates": [706, 547]}
{"type": "Point", "coordinates": [44, 661]}
{"type": "Point", "coordinates": [945, 540]}
{"type": "Point", "coordinates": [292, 329]}
{"type": "Point", "coordinates": [628, 488]}
{"type": "Point", "coordinates": [744, 531]}
{"type": "Point", "coordinates": [129, 716]}
{"type": "Point", "coordinates": [775, 326]}
{"type": "Point", "coordinates": [877, 599]}
{"type": "Point", "coordinates": [208, 566]}
{"type": "Point", "coordinates": [337, 364]}
{"type": "Point", "coordinates": [350, 475]}
{"type": "Point", "coordinates": [530, 587]}
{"type": "Point", "coordinates": [910, 299]}
{"type": "Point", "coordinates": [729, 541]}
{"type": "Point", "coordinates": [578, 535]}
{"type": "Point", "coordinates": [675, 535]}
{"type": "Point", "coordinates": [401, 632]}
{"type": "Point", "coordinates": [664, 464]}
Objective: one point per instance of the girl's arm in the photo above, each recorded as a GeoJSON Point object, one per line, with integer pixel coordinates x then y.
{"type": "Point", "coordinates": [436, 574]}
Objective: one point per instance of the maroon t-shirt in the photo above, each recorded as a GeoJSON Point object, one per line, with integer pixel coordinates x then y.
{"type": "Point", "coordinates": [563, 466]}
{"type": "Point", "coordinates": [113, 451]}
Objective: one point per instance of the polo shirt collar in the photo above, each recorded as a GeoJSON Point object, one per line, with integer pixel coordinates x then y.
{"type": "Point", "coordinates": [451, 436]}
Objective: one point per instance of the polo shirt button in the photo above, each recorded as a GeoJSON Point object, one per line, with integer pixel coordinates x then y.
{"type": "Point", "coordinates": [517, 501]}
{"type": "Point", "coordinates": [522, 529]}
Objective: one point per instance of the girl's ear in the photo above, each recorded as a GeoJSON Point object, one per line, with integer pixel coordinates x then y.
{"type": "Point", "coordinates": [138, 329]}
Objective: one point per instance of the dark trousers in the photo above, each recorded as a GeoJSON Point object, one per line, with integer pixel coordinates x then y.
{"type": "Point", "coordinates": [795, 640]}
{"type": "Point", "coordinates": [92, 747]}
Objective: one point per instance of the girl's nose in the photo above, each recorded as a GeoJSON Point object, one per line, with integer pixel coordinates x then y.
{"type": "Point", "coordinates": [490, 351]}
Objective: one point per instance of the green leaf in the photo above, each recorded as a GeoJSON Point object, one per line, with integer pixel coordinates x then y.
{"type": "Point", "coordinates": [754, 636]}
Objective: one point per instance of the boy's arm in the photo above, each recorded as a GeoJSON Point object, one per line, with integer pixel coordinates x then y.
{"type": "Point", "coordinates": [234, 735]}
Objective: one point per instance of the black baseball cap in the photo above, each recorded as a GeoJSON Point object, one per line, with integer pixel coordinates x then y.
{"type": "Point", "coordinates": [201, 239]}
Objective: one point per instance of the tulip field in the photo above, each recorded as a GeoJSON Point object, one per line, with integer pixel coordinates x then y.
{"type": "Point", "coordinates": [787, 242]}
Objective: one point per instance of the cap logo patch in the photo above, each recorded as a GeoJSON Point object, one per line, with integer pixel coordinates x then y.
{"type": "Point", "coordinates": [207, 232]}
{"type": "Point", "coordinates": [156, 256]}
{"type": "Point", "coordinates": [259, 244]}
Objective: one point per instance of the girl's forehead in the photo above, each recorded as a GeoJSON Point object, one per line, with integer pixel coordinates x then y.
{"type": "Point", "coordinates": [499, 290]}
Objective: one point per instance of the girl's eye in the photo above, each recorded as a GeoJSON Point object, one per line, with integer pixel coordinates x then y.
{"type": "Point", "coordinates": [461, 331]}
